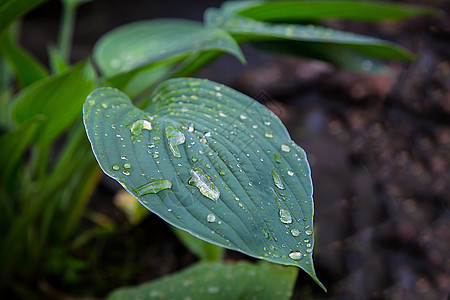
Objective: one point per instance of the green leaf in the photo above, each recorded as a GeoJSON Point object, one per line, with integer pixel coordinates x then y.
{"type": "Point", "coordinates": [248, 29]}
{"type": "Point", "coordinates": [313, 10]}
{"type": "Point", "coordinates": [222, 188]}
{"type": "Point", "coordinates": [59, 98]}
{"type": "Point", "coordinates": [141, 43]}
{"type": "Point", "coordinates": [334, 54]}
{"type": "Point", "coordinates": [218, 281]}
{"type": "Point", "coordinates": [202, 249]}
{"type": "Point", "coordinates": [26, 68]}
{"type": "Point", "coordinates": [10, 10]}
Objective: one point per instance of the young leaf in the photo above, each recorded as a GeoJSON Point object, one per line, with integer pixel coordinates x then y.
{"type": "Point", "coordinates": [218, 281]}
{"type": "Point", "coordinates": [10, 10]}
{"type": "Point", "coordinates": [142, 43]}
{"type": "Point", "coordinates": [211, 161]}
{"type": "Point", "coordinates": [313, 10]}
{"type": "Point", "coordinates": [59, 98]}
{"type": "Point", "coordinates": [247, 29]}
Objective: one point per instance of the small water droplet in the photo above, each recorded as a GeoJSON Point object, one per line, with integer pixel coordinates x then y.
{"type": "Point", "coordinates": [267, 123]}
{"type": "Point", "coordinates": [116, 168]}
{"type": "Point", "coordinates": [295, 255]}
{"type": "Point", "coordinates": [285, 216]}
{"type": "Point", "coordinates": [268, 135]}
{"type": "Point", "coordinates": [309, 250]}
{"type": "Point", "coordinates": [126, 173]}
{"type": "Point", "coordinates": [190, 128]}
{"type": "Point", "coordinates": [194, 159]}
{"type": "Point", "coordinates": [277, 158]}
{"type": "Point", "coordinates": [213, 289]}
{"type": "Point", "coordinates": [285, 148]}
{"type": "Point", "coordinates": [210, 218]}
{"type": "Point", "coordinates": [295, 232]}
{"type": "Point", "coordinates": [290, 173]}
{"type": "Point", "coordinates": [154, 187]}
{"type": "Point", "coordinates": [243, 117]}
{"type": "Point", "coordinates": [123, 157]}
{"type": "Point", "coordinates": [127, 166]}
{"type": "Point", "coordinates": [155, 155]}
{"type": "Point", "coordinates": [277, 180]}
{"type": "Point", "coordinates": [308, 232]}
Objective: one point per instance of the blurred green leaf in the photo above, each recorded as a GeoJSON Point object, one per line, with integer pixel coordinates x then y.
{"type": "Point", "coordinates": [216, 281]}
{"type": "Point", "coordinates": [211, 161]}
{"type": "Point", "coordinates": [14, 143]}
{"type": "Point", "coordinates": [334, 54]}
{"type": "Point", "coordinates": [204, 250]}
{"type": "Point", "coordinates": [59, 98]}
{"type": "Point", "coordinates": [10, 10]}
{"type": "Point", "coordinates": [313, 10]}
{"type": "Point", "coordinates": [141, 43]}
{"type": "Point", "coordinates": [247, 29]}
{"type": "Point", "coordinates": [26, 68]}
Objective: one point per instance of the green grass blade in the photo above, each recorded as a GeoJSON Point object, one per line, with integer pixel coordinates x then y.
{"type": "Point", "coordinates": [216, 281]}
{"type": "Point", "coordinates": [350, 10]}
{"type": "Point", "coordinates": [141, 43]}
{"type": "Point", "coordinates": [210, 161]}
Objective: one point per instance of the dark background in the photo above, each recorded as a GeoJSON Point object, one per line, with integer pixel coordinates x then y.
{"type": "Point", "coordinates": [379, 149]}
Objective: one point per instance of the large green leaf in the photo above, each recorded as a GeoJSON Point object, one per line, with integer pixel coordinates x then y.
{"type": "Point", "coordinates": [247, 29]}
{"type": "Point", "coordinates": [10, 10]}
{"type": "Point", "coordinates": [211, 161]}
{"type": "Point", "coordinates": [59, 98]}
{"type": "Point", "coordinates": [218, 281]}
{"type": "Point", "coordinates": [141, 43]}
{"type": "Point", "coordinates": [312, 10]}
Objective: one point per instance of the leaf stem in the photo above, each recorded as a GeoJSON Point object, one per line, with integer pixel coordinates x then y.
{"type": "Point", "coordinates": [66, 29]}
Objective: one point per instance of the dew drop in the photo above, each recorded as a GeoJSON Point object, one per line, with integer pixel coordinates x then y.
{"type": "Point", "coordinates": [210, 218]}
{"type": "Point", "coordinates": [285, 148]}
{"type": "Point", "coordinates": [285, 216]}
{"type": "Point", "coordinates": [204, 184]}
{"type": "Point", "coordinates": [290, 173]}
{"type": "Point", "coordinates": [295, 232]}
{"type": "Point", "coordinates": [123, 157]}
{"type": "Point", "coordinates": [126, 173]}
{"type": "Point", "coordinates": [295, 255]}
{"type": "Point", "coordinates": [277, 180]}
{"type": "Point", "coordinates": [154, 187]}
{"type": "Point", "coordinates": [243, 117]}
{"type": "Point", "coordinates": [127, 166]}
{"type": "Point", "coordinates": [268, 135]}
{"type": "Point", "coordinates": [277, 158]}
{"type": "Point", "coordinates": [116, 168]}
{"type": "Point", "coordinates": [194, 159]}
{"type": "Point", "coordinates": [308, 232]}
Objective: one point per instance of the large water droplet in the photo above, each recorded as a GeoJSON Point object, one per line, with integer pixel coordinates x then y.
{"type": "Point", "coordinates": [277, 180]}
{"type": "Point", "coordinates": [295, 232]}
{"type": "Point", "coordinates": [204, 184]}
{"type": "Point", "coordinates": [153, 187]}
{"type": "Point", "coordinates": [174, 138]}
{"type": "Point", "coordinates": [285, 216]}
{"type": "Point", "coordinates": [285, 148]}
{"type": "Point", "coordinates": [295, 255]}
{"type": "Point", "coordinates": [210, 218]}
{"type": "Point", "coordinates": [139, 125]}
